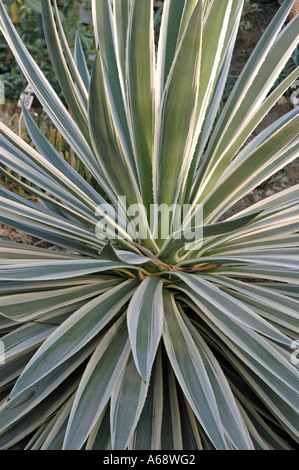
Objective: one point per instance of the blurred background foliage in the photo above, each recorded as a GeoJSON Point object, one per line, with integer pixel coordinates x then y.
{"type": "Point", "coordinates": [75, 15]}
{"type": "Point", "coordinates": [25, 14]}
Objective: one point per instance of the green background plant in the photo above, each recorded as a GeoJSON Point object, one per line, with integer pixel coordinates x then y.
{"type": "Point", "coordinates": [30, 29]}
{"type": "Point", "coordinates": [31, 32]}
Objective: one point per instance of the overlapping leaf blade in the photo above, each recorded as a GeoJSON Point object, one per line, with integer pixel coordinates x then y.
{"type": "Point", "coordinates": [168, 39]}
{"type": "Point", "coordinates": [177, 113]}
{"type": "Point", "coordinates": [75, 332]}
{"type": "Point", "coordinates": [258, 353]}
{"type": "Point", "coordinates": [107, 135]}
{"type": "Point", "coordinates": [171, 435]}
{"type": "Point", "coordinates": [249, 91]}
{"type": "Point", "coordinates": [274, 149]}
{"type": "Point", "coordinates": [147, 433]}
{"type": "Point", "coordinates": [101, 374]}
{"type": "Point", "coordinates": [127, 401]}
{"type": "Point", "coordinates": [61, 69]}
{"type": "Point", "coordinates": [140, 80]}
{"type": "Point", "coordinates": [191, 373]}
{"type": "Point", "coordinates": [234, 309]}
{"type": "Point", "coordinates": [145, 323]}
{"type": "Point", "coordinates": [231, 419]}
{"type": "Point", "coordinates": [49, 99]}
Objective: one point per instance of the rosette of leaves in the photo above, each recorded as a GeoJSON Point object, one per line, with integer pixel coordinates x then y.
{"type": "Point", "coordinates": [123, 342]}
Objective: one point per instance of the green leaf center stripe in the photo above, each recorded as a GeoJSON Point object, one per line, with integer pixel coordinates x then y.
{"type": "Point", "coordinates": [140, 81]}
{"type": "Point", "coordinates": [48, 97]}
{"type": "Point", "coordinates": [258, 353]}
{"type": "Point", "coordinates": [145, 323]}
{"type": "Point", "coordinates": [101, 374]}
{"type": "Point", "coordinates": [177, 113]}
{"type": "Point", "coordinates": [233, 308]}
{"type": "Point", "coordinates": [74, 334]}
{"type": "Point", "coordinates": [56, 269]}
{"type": "Point", "coordinates": [190, 372]}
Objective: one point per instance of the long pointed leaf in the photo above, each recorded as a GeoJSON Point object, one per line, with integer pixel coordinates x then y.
{"type": "Point", "coordinates": [191, 373]}
{"type": "Point", "coordinates": [147, 433]}
{"type": "Point", "coordinates": [127, 401]}
{"type": "Point", "coordinates": [107, 135]}
{"type": "Point", "coordinates": [176, 115]}
{"type": "Point", "coordinates": [145, 323]}
{"type": "Point", "coordinates": [231, 419]}
{"type": "Point", "coordinates": [74, 334]}
{"type": "Point", "coordinates": [49, 99]}
{"type": "Point", "coordinates": [271, 367]}
{"type": "Point", "coordinates": [255, 81]}
{"type": "Point", "coordinates": [101, 375]}
{"type": "Point", "coordinates": [61, 69]}
{"type": "Point", "coordinates": [141, 90]}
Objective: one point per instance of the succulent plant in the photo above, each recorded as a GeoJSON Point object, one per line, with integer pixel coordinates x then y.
{"type": "Point", "coordinates": [162, 322]}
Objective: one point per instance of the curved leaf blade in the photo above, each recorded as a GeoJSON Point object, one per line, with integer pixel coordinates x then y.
{"type": "Point", "coordinates": [147, 433]}
{"type": "Point", "coordinates": [176, 115]}
{"type": "Point", "coordinates": [74, 334]}
{"type": "Point", "coordinates": [107, 135]}
{"type": "Point", "coordinates": [257, 352]}
{"type": "Point", "coordinates": [234, 429]}
{"type": "Point", "coordinates": [190, 372]}
{"type": "Point", "coordinates": [127, 401]}
{"type": "Point", "coordinates": [145, 323]}
{"type": "Point", "coordinates": [140, 80]}
{"type": "Point", "coordinates": [101, 374]}
{"type": "Point", "coordinates": [56, 270]}
{"type": "Point", "coordinates": [61, 68]}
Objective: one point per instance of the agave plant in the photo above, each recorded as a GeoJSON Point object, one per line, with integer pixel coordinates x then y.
{"type": "Point", "coordinates": [122, 335]}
